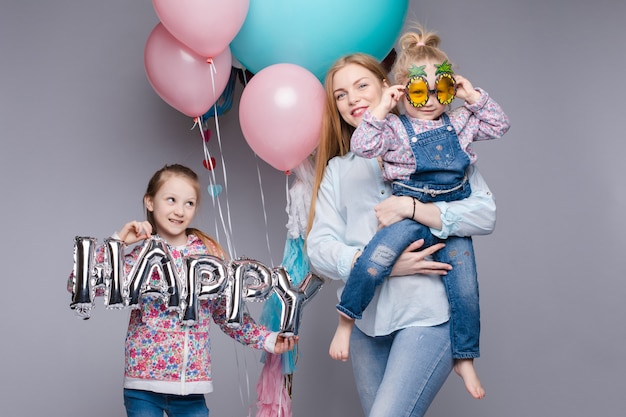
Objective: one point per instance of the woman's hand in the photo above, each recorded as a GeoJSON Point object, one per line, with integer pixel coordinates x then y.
{"type": "Point", "coordinates": [135, 231]}
{"type": "Point", "coordinates": [285, 344]}
{"type": "Point", "coordinates": [412, 262]}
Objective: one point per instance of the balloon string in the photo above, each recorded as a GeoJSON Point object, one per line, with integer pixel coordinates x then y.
{"type": "Point", "coordinates": [212, 183]}
{"type": "Point", "coordinates": [229, 231]}
{"type": "Point", "coordinates": [213, 70]}
{"type": "Point", "coordinates": [238, 351]}
{"type": "Point", "coordinates": [264, 209]}
{"type": "Point", "coordinates": [287, 194]}
{"type": "Point", "coordinates": [245, 364]}
{"type": "Point", "coordinates": [239, 374]}
{"type": "Point", "coordinates": [267, 239]}
{"type": "Point", "coordinates": [258, 173]}
{"type": "Point", "coordinates": [217, 202]}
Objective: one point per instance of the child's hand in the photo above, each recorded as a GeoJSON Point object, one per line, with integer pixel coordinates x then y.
{"type": "Point", "coordinates": [285, 344]}
{"type": "Point", "coordinates": [389, 100]}
{"type": "Point", "coordinates": [465, 90]}
{"type": "Point", "coordinates": [135, 231]}
{"type": "Point", "coordinates": [393, 209]}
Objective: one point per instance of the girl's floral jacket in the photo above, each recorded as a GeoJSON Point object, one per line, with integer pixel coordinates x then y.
{"type": "Point", "coordinates": [162, 354]}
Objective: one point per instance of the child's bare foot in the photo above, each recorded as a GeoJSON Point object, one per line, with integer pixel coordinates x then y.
{"type": "Point", "coordinates": [340, 345]}
{"type": "Point", "coordinates": [465, 369]}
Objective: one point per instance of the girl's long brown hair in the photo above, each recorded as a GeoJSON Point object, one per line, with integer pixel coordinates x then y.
{"type": "Point", "coordinates": [157, 181]}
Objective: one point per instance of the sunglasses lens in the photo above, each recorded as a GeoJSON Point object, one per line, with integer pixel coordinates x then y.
{"type": "Point", "coordinates": [445, 90]}
{"type": "Point", "coordinates": [417, 92]}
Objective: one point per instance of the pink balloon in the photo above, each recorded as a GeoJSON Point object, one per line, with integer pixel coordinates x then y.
{"type": "Point", "coordinates": [206, 26]}
{"type": "Point", "coordinates": [181, 77]}
{"type": "Point", "coordinates": [280, 114]}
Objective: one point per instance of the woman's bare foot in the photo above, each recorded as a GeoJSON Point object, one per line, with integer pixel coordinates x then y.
{"type": "Point", "coordinates": [340, 345]}
{"type": "Point", "coordinates": [465, 369]}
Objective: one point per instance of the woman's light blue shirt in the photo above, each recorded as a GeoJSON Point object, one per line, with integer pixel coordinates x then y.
{"type": "Point", "coordinates": [345, 221]}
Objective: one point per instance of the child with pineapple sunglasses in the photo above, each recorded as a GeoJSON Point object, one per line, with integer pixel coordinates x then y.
{"type": "Point", "coordinates": [425, 154]}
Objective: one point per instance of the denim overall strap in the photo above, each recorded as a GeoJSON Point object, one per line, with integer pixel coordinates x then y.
{"type": "Point", "coordinates": [440, 164]}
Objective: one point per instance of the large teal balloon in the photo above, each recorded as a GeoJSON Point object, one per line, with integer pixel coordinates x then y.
{"type": "Point", "coordinates": [314, 33]}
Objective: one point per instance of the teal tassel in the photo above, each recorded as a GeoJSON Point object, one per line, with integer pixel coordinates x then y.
{"type": "Point", "coordinates": [296, 263]}
{"type": "Point", "coordinates": [295, 260]}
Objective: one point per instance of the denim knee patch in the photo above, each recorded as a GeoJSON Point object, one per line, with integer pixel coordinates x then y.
{"type": "Point", "coordinates": [383, 256]}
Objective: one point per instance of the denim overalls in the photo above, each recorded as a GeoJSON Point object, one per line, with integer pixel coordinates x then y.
{"type": "Point", "coordinates": [439, 176]}
{"type": "Point", "coordinates": [440, 165]}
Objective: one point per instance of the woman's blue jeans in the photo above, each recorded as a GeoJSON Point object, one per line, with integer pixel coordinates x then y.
{"type": "Point", "coordinates": [140, 403]}
{"type": "Point", "coordinates": [378, 258]}
{"type": "Point", "coordinates": [400, 374]}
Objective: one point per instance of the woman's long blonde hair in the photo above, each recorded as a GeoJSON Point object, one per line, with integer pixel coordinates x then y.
{"type": "Point", "coordinates": [336, 133]}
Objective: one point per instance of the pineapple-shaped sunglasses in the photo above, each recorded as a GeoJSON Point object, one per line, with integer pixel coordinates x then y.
{"type": "Point", "coordinates": [417, 91]}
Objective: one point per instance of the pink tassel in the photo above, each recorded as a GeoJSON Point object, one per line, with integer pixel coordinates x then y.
{"type": "Point", "coordinates": [273, 399]}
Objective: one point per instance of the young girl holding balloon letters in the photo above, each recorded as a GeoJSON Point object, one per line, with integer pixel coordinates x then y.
{"type": "Point", "coordinates": [168, 361]}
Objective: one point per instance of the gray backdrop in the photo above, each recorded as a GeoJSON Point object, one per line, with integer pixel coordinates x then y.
{"type": "Point", "coordinates": [82, 130]}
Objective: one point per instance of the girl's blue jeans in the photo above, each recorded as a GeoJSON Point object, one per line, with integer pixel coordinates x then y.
{"type": "Point", "coordinates": [378, 258]}
{"type": "Point", "coordinates": [140, 403]}
{"type": "Point", "coordinates": [400, 374]}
